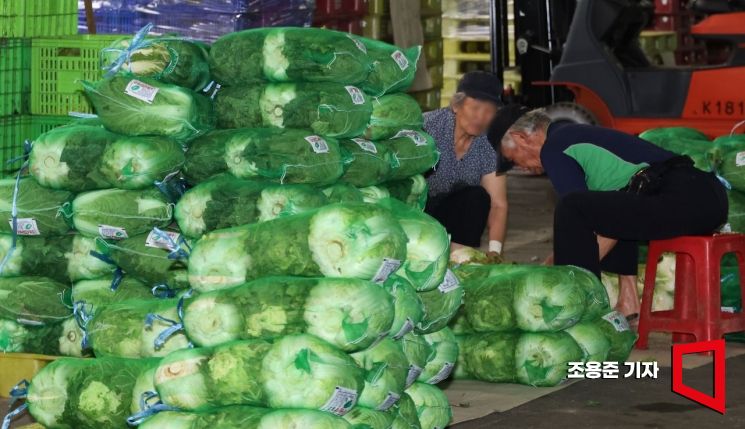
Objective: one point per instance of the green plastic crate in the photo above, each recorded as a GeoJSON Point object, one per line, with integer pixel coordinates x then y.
{"type": "Point", "coordinates": [37, 18]}
{"type": "Point", "coordinates": [57, 67]}
{"type": "Point", "coordinates": [15, 76]}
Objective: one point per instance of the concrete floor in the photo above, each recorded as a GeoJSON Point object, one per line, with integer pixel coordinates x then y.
{"type": "Point", "coordinates": [530, 222]}
{"type": "Point", "coordinates": [627, 403]}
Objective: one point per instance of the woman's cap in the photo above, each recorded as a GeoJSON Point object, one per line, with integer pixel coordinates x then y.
{"type": "Point", "coordinates": [482, 86]}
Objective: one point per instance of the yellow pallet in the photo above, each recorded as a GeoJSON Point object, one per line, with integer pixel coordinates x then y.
{"type": "Point", "coordinates": [466, 63]}
{"type": "Point", "coordinates": [470, 29]}
{"type": "Point", "coordinates": [15, 367]}
{"type": "Point", "coordinates": [381, 7]}
{"type": "Point", "coordinates": [658, 41]}
{"type": "Point", "coordinates": [380, 28]}
{"type": "Point", "coordinates": [471, 49]}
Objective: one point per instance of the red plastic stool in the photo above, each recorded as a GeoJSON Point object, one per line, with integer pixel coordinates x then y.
{"type": "Point", "coordinates": [697, 314]}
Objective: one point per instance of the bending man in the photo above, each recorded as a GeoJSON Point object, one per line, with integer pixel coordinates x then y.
{"type": "Point", "coordinates": [615, 190]}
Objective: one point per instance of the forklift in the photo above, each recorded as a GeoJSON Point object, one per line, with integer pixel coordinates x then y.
{"type": "Point", "coordinates": [582, 61]}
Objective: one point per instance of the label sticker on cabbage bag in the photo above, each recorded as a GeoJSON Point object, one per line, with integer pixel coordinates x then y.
{"type": "Point", "coordinates": [388, 267]}
{"type": "Point", "coordinates": [450, 282]}
{"type": "Point", "coordinates": [401, 61]}
{"type": "Point", "coordinates": [740, 159]}
{"type": "Point", "coordinates": [341, 401]}
{"type": "Point", "coordinates": [407, 327]}
{"type": "Point", "coordinates": [365, 145]}
{"type": "Point", "coordinates": [159, 242]}
{"type": "Point", "coordinates": [26, 226]}
{"type": "Point", "coordinates": [390, 400]}
{"type": "Point", "coordinates": [617, 320]}
{"type": "Point", "coordinates": [417, 138]}
{"type": "Point", "coordinates": [318, 144]}
{"type": "Point", "coordinates": [444, 373]}
{"type": "Point", "coordinates": [414, 373]}
{"type": "Point", "coordinates": [141, 91]}
{"type": "Point", "coordinates": [358, 97]}
{"type": "Point", "coordinates": [113, 232]}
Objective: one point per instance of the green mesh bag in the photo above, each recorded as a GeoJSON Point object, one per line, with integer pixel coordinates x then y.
{"type": "Point", "coordinates": [284, 156]}
{"type": "Point", "coordinates": [288, 55]}
{"type": "Point", "coordinates": [487, 356]}
{"type": "Point", "coordinates": [169, 60]}
{"type": "Point", "coordinates": [411, 190]}
{"type": "Point", "coordinates": [404, 414]}
{"type": "Point", "coordinates": [732, 169]}
{"type": "Point", "coordinates": [533, 299]}
{"type": "Point", "coordinates": [736, 214]}
{"type": "Point", "coordinates": [366, 418]}
{"type": "Point", "coordinates": [65, 258]}
{"type": "Point", "coordinates": [16, 337]}
{"type": "Point", "coordinates": [427, 249]}
{"type": "Point", "coordinates": [343, 193]}
{"type": "Point", "coordinates": [154, 258]}
{"type": "Point", "coordinates": [225, 201]}
{"type": "Point", "coordinates": [591, 340]}
{"type": "Point", "coordinates": [144, 106]}
{"type": "Point", "coordinates": [393, 69]}
{"type": "Point", "coordinates": [327, 109]}
{"type": "Point", "coordinates": [440, 304]}
{"type": "Point", "coordinates": [128, 329]}
{"type": "Point", "coordinates": [723, 145]}
{"type": "Point", "coordinates": [432, 405]}
{"type": "Point", "coordinates": [370, 163]}
{"type": "Point", "coordinates": [39, 209]}
{"type": "Point", "coordinates": [414, 152]}
{"type": "Point", "coordinates": [244, 417]}
{"type": "Point", "coordinates": [386, 369]}
{"type": "Point", "coordinates": [656, 135]}
{"type": "Point", "coordinates": [621, 337]}
{"type": "Point", "coordinates": [443, 358]}
{"type": "Point", "coordinates": [34, 300]}
{"type": "Point", "coordinates": [72, 393]}
{"type": "Point", "coordinates": [350, 314]}
{"type": "Point", "coordinates": [392, 113]}
{"type": "Point", "coordinates": [118, 213]}
{"type": "Point", "coordinates": [340, 240]}
{"type": "Point", "coordinates": [104, 291]}
{"type": "Point", "coordinates": [297, 371]}
{"type": "Point", "coordinates": [407, 306]}
{"type": "Point", "coordinates": [85, 157]}
{"type": "Point", "coordinates": [542, 358]}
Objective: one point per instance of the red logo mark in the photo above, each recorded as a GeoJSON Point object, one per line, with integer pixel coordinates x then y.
{"type": "Point", "coordinates": [716, 402]}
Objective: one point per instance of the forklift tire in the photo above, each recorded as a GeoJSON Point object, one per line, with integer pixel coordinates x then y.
{"type": "Point", "coordinates": [570, 112]}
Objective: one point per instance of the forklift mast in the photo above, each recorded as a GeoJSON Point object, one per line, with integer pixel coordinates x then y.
{"type": "Point", "coordinates": [541, 29]}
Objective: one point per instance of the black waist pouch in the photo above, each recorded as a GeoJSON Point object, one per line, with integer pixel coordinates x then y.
{"type": "Point", "coordinates": [648, 180]}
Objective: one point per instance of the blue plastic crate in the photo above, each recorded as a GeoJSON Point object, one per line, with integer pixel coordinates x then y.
{"type": "Point", "coordinates": [110, 21]}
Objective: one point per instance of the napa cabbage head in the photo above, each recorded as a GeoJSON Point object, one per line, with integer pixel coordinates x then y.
{"type": "Point", "coordinates": [352, 240]}
{"type": "Point", "coordinates": [302, 371]}
{"type": "Point", "coordinates": [591, 340]}
{"type": "Point", "coordinates": [362, 309]}
{"type": "Point", "coordinates": [273, 101]}
{"type": "Point", "coordinates": [547, 299]}
{"type": "Point", "coordinates": [432, 405]}
{"type": "Point", "coordinates": [541, 359]}
{"type": "Point", "coordinates": [13, 336]}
